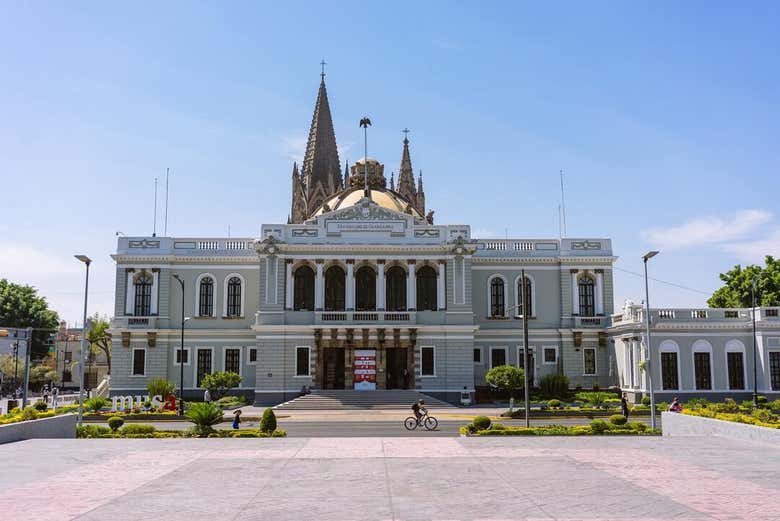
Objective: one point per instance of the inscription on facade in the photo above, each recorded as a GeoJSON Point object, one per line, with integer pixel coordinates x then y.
{"type": "Point", "coordinates": [365, 226]}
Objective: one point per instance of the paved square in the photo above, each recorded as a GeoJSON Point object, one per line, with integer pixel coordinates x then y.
{"type": "Point", "coordinates": [406, 479]}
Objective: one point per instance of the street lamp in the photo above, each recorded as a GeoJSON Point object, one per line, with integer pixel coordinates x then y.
{"type": "Point", "coordinates": [181, 349]}
{"type": "Point", "coordinates": [87, 261]}
{"type": "Point", "coordinates": [755, 369]}
{"type": "Point", "coordinates": [525, 350]}
{"type": "Point", "coordinates": [647, 256]}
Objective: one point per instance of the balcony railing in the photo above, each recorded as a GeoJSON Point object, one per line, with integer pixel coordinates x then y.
{"type": "Point", "coordinates": [398, 317]}
{"type": "Point", "coordinates": [134, 322]}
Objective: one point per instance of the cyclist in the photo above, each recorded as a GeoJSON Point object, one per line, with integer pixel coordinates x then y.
{"type": "Point", "coordinates": [417, 408]}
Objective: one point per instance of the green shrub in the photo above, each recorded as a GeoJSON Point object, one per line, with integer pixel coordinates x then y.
{"type": "Point", "coordinates": [231, 402]}
{"type": "Point", "coordinates": [136, 428]}
{"type": "Point", "coordinates": [507, 378]}
{"type": "Point", "coordinates": [599, 426]}
{"type": "Point", "coordinates": [646, 400]}
{"type": "Point", "coordinates": [481, 423]}
{"type": "Point", "coordinates": [92, 431]}
{"type": "Point", "coordinates": [618, 419]}
{"type": "Point", "coordinates": [204, 416]}
{"type": "Point", "coordinates": [728, 406]}
{"type": "Point", "coordinates": [596, 399]}
{"type": "Point", "coordinates": [161, 387]}
{"type": "Point", "coordinates": [115, 422]}
{"type": "Point", "coordinates": [774, 406]}
{"type": "Point", "coordinates": [29, 413]}
{"type": "Point", "coordinates": [95, 404]}
{"type": "Point", "coordinates": [220, 383]}
{"type": "Point", "coordinates": [554, 404]}
{"type": "Point", "coordinates": [761, 399]}
{"type": "Point", "coordinates": [268, 421]}
{"type": "Point", "coordinates": [697, 403]}
{"type": "Point", "coordinates": [40, 406]}
{"type": "Point", "coordinates": [498, 426]}
{"type": "Point", "coordinates": [556, 385]}
{"type": "Point", "coordinates": [638, 426]}
{"type": "Point", "coordinates": [764, 416]}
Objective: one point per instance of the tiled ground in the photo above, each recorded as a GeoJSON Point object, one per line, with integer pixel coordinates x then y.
{"type": "Point", "coordinates": [489, 479]}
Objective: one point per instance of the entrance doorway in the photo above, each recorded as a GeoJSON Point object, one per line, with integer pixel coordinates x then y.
{"type": "Point", "coordinates": [396, 373]}
{"type": "Point", "coordinates": [333, 368]}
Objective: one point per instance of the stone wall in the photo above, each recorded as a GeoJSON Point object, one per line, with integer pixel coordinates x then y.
{"type": "Point", "coordinates": [676, 424]}
{"type": "Point", "coordinates": [62, 426]}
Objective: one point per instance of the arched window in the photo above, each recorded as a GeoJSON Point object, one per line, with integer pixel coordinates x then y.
{"type": "Point", "coordinates": [335, 289]}
{"type": "Point", "coordinates": [234, 297]}
{"type": "Point", "coordinates": [303, 289]}
{"type": "Point", "coordinates": [528, 297]}
{"type": "Point", "coordinates": [426, 289]}
{"type": "Point", "coordinates": [206, 297]}
{"type": "Point", "coordinates": [395, 281]}
{"type": "Point", "coordinates": [587, 300]}
{"type": "Point", "coordinates": [365, 289]}
{"type": "Point", "coordinates": [143, 295]}
{"type": "Point", "coordinates": [497, 306]}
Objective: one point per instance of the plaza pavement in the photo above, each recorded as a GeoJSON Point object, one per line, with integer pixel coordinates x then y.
{"type": "Point", "coordinates": [409, 479]}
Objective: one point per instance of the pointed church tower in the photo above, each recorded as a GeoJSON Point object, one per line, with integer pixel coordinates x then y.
{"type": "Point", "coordinates": [406, 176]}
{"type": "Point", "coordinates": [345, 182]}
{"type": "Point", "coordinates": [298, 207]}
{"type": "Point", "coordinates": [321, 169]}
{"type": "Point", "coordinates": [420, 196]}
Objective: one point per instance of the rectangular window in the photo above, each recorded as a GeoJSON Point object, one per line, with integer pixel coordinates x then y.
{"type": "Point", "coordinates": [252, 355]}
{"type": "Point", "coordinates": [701, 364]}
{"type": "Point", "coordinates": [182, 354]}
{"type": "Point", "coordinates": [301, 361]}
{"type": "Point", "coordinates": [204, 365]}
{"type": "Point", "coordinates": [139, 362]}
{"type": "Point", "coordinates": [477, 355]}
{"type": "Point", "coordinates": [497, 357]}
{"type": "Point", "coordinates": [589, 360]}
{"type": "Point", "coordinates": [736, 368]}
{"type": "Point", "coordinates": [669, 371]}
{"type": "Point", "coordinates": [233, 360]}
{"type": "Point", "coordinates": [550, 355]}
{"type": "Point", "coordinates": [774, 369]}
{"type": "Point", "coordinates": [428, 367]}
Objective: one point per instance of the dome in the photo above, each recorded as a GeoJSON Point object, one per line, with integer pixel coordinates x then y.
{"type": "Point", "coordinates": [364, 159]}
{"type": "Point", "coordinates": [385, 198]}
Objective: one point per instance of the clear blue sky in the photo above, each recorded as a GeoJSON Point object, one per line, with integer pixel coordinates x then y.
{"type": "Point", "coordinates": [662, 114]}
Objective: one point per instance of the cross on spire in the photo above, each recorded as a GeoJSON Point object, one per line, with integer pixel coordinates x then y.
{"type": "Point", "coordinates": [406, 134]}
{"type": "Point", "coordinates": [323, 63]}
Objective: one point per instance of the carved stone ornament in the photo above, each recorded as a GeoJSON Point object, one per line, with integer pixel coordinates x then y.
{"type": "Point", "coordinates": [460, 246]}
{"type": "Point", "coordinates": [366, 210]}
{"type": "Point", "coordinates": [268, 246]}
{"type": "Point", "coordinates": [585, 245]}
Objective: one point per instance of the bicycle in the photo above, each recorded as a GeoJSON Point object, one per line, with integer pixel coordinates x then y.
{"type": "Point", "coordinates": [429, 422]}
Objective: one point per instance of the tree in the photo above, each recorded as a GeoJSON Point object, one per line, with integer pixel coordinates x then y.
{"type": "Point", "coordinates": [738, 281]}
{"type": "Point", "coordinates": [99, 339]}
{"type": "Point", "coordinates": [220, 383]}
{"type": "Point", "coordinates": [40, 374]}
{"type": "Point", "coordinates": [20, 307]}
{"type": "Point", "coordinates": [506, 378]}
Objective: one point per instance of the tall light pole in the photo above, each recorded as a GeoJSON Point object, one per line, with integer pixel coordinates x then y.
{"type": "Point", "coordinates": [525, 350]}
{"type": "Point", "coordinates": [647, 256]}
{"type": "Point", "coordinates": [87, 261]}
{"type": "Point", "coordinates": [755, 367]}
{"type": "Point", "coordinates": [181, 348]}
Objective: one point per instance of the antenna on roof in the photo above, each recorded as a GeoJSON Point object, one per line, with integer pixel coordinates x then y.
{"type": "Point", "coordinates": [560, 230]}
{"type": "Point", "coordinates": [165, 229]}
{"type": "Point", "coordinates": [563, 208]}
{"type": "Point", "coordinates": [154, 227]}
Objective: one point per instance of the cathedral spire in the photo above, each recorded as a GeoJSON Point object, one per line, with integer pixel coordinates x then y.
{"type": "Point", "coordinates": [392, 181]}
{"type": "Point", "coordinates": [420, 195]}
{"type": "Point", "coordinates": [298, 207]}
{"type": "Point", "coordinates": [406, 175]}
{"type": "Point", "coordinates": [321, 169]}
{"type": "Point", "coordinates": [346, 175]}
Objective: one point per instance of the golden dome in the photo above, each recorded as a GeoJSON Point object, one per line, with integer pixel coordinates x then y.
{"type": "Point", "coordinates": [383, 197]}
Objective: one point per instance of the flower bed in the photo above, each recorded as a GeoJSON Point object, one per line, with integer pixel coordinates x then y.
{"type": "Point", "coordinates": [148, 431]}
{"type": "Point", "coordinates": [759, 417]}
{"type": "Point", "coordinates": [482, 426]}
{"type": "Point", "coordinates": [31, 413]}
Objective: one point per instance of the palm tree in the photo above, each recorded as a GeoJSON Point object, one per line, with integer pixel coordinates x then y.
{"type": "Point", "coordinates": [98, 337]}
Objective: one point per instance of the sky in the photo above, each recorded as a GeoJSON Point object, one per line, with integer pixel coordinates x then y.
{"type": "Point", "coordinates": [662, 115]}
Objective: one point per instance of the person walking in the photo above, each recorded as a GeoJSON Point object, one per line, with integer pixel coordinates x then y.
{"type": "Point", "coordinates": [55, 394]}
{"type": "Point", "coordinates": [207, 396]}
{"type": "Point", "coordinates": [45, 394]}
{"type": "Point", "coordinates": [624, 405]}
{"type": "Point", "coordinates": [236, 418]}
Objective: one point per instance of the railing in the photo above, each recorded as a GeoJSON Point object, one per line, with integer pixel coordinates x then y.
{"type": "Point", "coordinates": [666, 314]}
{"type": "Point", "coordinates": [134, 322]}
{"type": "Point", "coordinates": [365, 316]}
{"type": "Point", "coordinates": [698, 313]}
{"type": "Point", "coordinates": [585, 322]}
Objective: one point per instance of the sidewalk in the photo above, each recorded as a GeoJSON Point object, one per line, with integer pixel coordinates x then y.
{"type": "Point", "coordinates": [352, 415]}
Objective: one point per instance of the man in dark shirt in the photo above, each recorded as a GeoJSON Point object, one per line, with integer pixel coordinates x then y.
{"type": "Point", "coordinates": [417, 407]}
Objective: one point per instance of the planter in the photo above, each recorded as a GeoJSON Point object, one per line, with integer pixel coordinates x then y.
{"type": "Point", "coordinates": [677, 424]}
{"type": "Point", "coordinates": [61, 426]}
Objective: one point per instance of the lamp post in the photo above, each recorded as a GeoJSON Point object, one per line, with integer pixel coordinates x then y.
{"type": "Point", "coordinates": [525, 351]}
{"type": "Point", "coordinates": [755, 367]}
{"type": "Point", "coordinates": [87, 261]}
{"type": "Point", "coordinates": [181, 348]}
{"type": "Point", "coordinates": [647, 256]}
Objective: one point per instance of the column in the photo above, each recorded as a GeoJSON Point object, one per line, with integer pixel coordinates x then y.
{"type": "Point", "coordinates": [288, 285]}
{"type": "Point", "coordinates": [599, 292]}
{"type": "Point", "coordinates": [319, 286]}
{"type": "Point", "coordinates": [155, 291]}
{"type": "Point", "coordinates": [575, 300]}
{"type": "Point", "coordinates": [411, 287]}
{"type": "Point", "coordinates": [350, 296]}
{"type": "Point", "coordinates": [380, 284]}
{"type": "Point", "coordinates": [441, 299]}
{"type": "Point", "coordinates": [129, 293]}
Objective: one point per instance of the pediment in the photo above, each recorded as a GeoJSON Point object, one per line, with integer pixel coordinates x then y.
{"type": "Point", "coordinates": [365, 210]}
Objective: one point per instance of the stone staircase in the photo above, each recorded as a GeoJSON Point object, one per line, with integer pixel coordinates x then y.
{"type": "Point", "coordinates": [345, 400]}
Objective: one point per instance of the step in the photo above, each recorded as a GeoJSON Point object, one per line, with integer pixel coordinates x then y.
{"type": "Point", "coordinates": [355, 400]}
